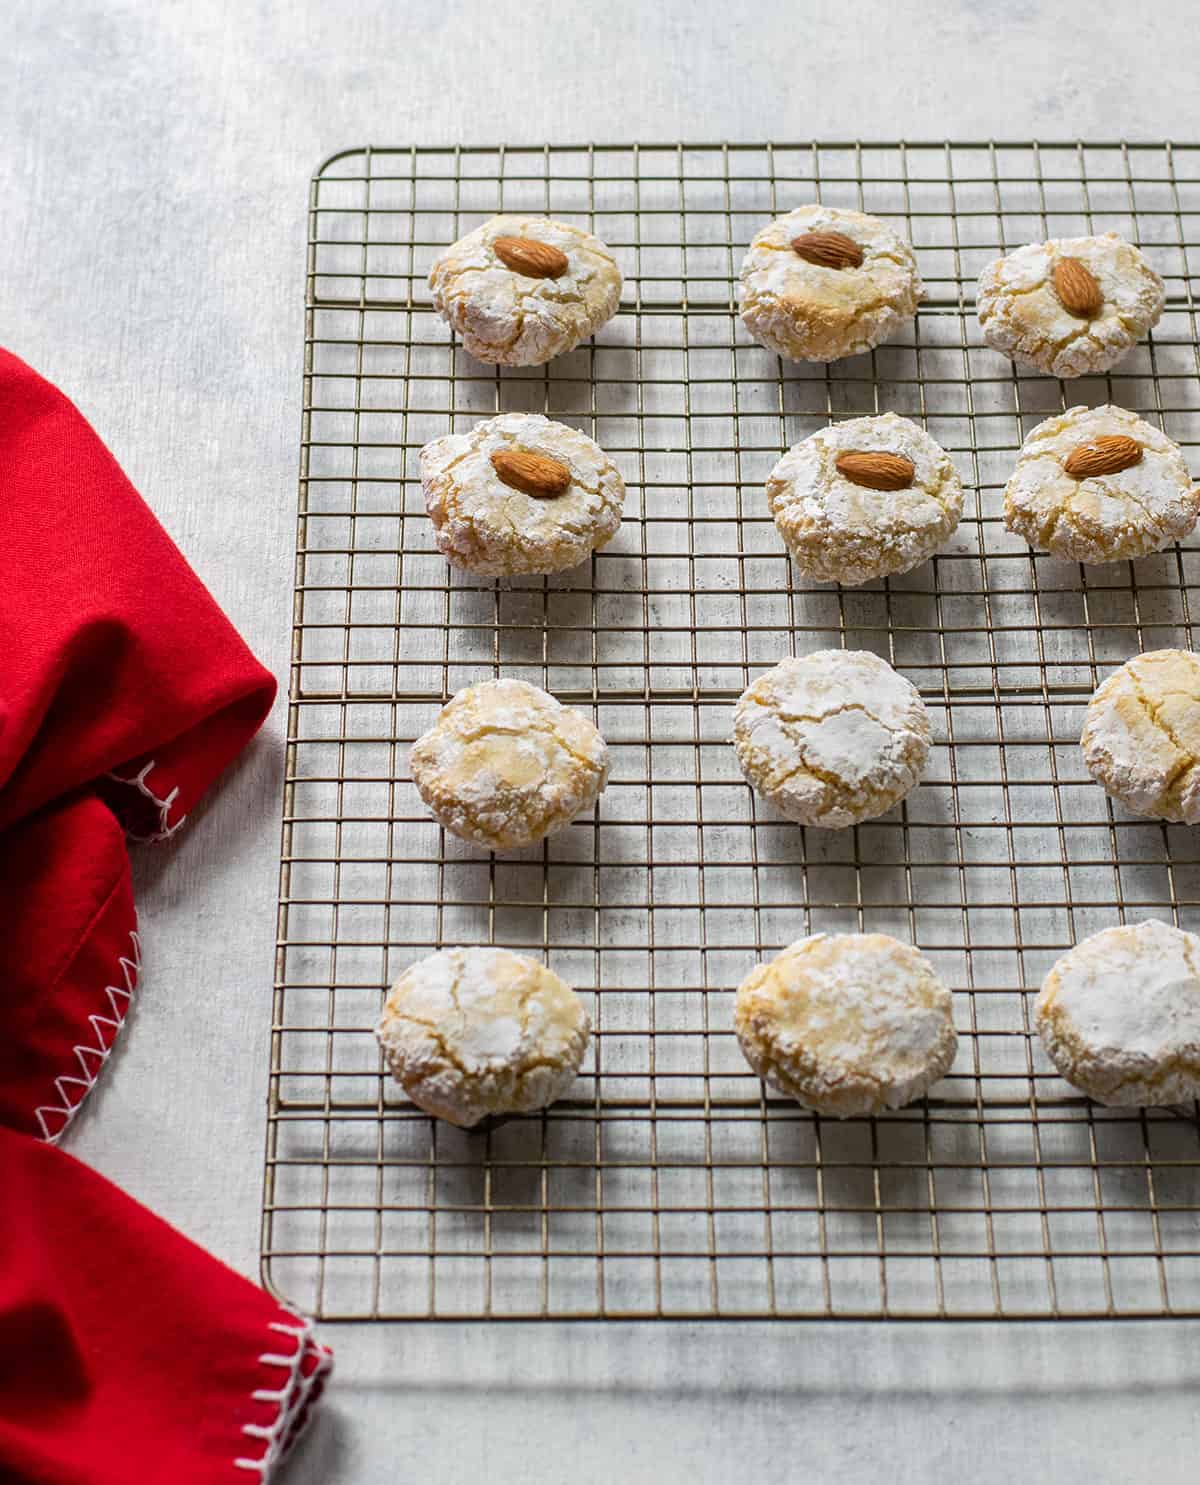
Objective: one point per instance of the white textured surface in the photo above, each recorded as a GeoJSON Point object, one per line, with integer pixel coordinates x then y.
{"type": "Point", "coordinates": [155, 168]}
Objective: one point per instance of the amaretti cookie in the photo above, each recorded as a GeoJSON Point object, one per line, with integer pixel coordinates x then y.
{"type": "Point", "coordinates": [469, 1033]}
{"type": "Point", "coordinates": [862, 499]}
{"type": "Point", "coordinates": [832, 738]}
{"type": "Point", "coordinates": [1141, 735]}
{"type": "Point", "coordinates": [847, 1024]}
{"type": "Point", "coordinates": [521, 290]}
{"type": "Point", "coordinates": [1119, 1015]}
{"type": "Point", "coordinates": [821, 283]}
{"type": "Point", "coordinates": [1069, 306]}
{"type": "Point", "coordinates": [520, 494]}
{"type": "Point", "coordinates": [1100, 485]}
{"type": "Point", "coordinates": [505, 764]}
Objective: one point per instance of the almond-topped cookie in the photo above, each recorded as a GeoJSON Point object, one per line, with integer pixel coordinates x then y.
{"type": "Point", "coordinates": [1069, 306]}
{"type": "Point", "coordinates": [864, 498]}
{"type": "Point", "coordinates": [822, 282]}
{"type": "Point", "coordinates": [521, 290]}
{"type": "Point", "coordinates": [519, 494]}
{"type": "Point", "coordinates": [1097, 484]}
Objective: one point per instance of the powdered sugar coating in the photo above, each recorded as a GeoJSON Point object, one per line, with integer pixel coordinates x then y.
{"type": "Point", "coordinates": [508, 317]}
{"type": "Point", "coordinates": [505, 764]}
{"type": "Point", "coordinates": [832, 738]}
{"type": "Point", "coordinates": [1119, 1015]}
{"type": "Point", "coordinates": [812, 313]}
{"type": "Point", "coordinates": [1108, 518]}
{"type": "Point", "coordinates": [847, 1024]}
{"type": "Point", "coordinates": [469, 1033]}
{"type": "Point", "coordinates": [1022, 316]}
{"type": "Point", "coordinates": [485, 526]}
{"type": "Point", "coordinates": [1141, 735]}
{"type": "Point", "coordinates": [841, 532]}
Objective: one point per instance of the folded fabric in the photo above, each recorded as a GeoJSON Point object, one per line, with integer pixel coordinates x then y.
{"type": "Point", "coordinates": [126, 1353]}
{"type": "Point", "coordinates": [123, 693]}
{"type": "Point", "coordinates": [128, 1356]}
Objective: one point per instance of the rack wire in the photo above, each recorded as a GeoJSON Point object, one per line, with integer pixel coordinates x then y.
{"type": "Point", "coordinates": [670, 1183]}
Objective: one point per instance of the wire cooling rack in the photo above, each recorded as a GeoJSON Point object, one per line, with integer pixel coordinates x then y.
{"type": "Point", "coordinates": [669, 1183]}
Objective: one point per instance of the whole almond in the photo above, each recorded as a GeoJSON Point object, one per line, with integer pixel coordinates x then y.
{"type": "Point", "coordinates": [533, 474]}
{"type": "Point", "coordinates": [1105, 454]}
{"type": "Point", "coordinates": [533, 259]}
{"type": "Point", "coordinates": [877, 471]}
{"type": "Point", "coordinates": [828, 249]}
{"type": "Point", "coordinates": [1077, 289]}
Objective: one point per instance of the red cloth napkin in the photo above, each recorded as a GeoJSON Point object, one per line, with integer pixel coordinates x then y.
{"type": "Point", "coordinates": [131, 1356]}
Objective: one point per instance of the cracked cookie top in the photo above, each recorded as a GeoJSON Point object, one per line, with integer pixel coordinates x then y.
{"type": "Point", "coordinates": [1119, 1015]}
{"type": "Point", "coordinates": [847, 1024]}
{"type": "Point", "coordinates": [523, 307]}
{"type": "Point", "coordinates": [469, 1033]}
{"type": "Point", "coordinates": [1030, 313]}
{"type": "Point", "coordinates": [486, 524]}
{"type": "Point", "coordinates": [1141, 735]}
{"type": "Point", "coordinates": [840, 530]}
{"type": "Point", "coordinates": [1055, 503]}
{"type": "Point", "coordinates": [505, 764]}
{"type": "Point", "coordinates": [825, 299]}
{"type": "Point", "coordinates": [833, 738]}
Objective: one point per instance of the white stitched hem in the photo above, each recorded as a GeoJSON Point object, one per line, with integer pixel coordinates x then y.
{"type": "Point", "coordinates": [163, 803]}
{"type": "Point", "coordinates": [92, 1056]}
{"type": "Point", "coordinates": [292, 1397]}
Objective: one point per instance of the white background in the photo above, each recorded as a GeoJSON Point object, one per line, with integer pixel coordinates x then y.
{"type": "Point", "coordinates": [154, 161]}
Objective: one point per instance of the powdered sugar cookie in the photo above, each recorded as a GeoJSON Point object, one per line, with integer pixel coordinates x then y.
{"type": "Point", "coordinates": [847, 1024]}
{"type": "Point", "coordinates": [521, 290]}
{"type": "Point", "coordinates": [821, 283]}
{"type": "Point", "coordinates": [1141, 735]}
{"type": "Point", "coordinates": [1099, 485]}
{"type": "Point", "coordinates": [1070, 306]}
{"type": "Point", "coordinates": [505, 764]}
{"type": "Point", "coordinates": [1119, 1015]}
{"type": "Point", "coordinates": [863, 499]}
{"type": "Point", "coordinates": [469, 1033]}
{"type": "Point", "coordinates": [520, 494]}
{"type": "Point", "coordinates": [832, 738]}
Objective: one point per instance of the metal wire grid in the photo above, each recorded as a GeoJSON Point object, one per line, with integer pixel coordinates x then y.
{"type": "Point", "coordinates": [670, 1183]}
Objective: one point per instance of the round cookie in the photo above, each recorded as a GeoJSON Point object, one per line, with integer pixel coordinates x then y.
{"type": "Point", "coordinates": [1141, 735]}
{"type": "Point", "coordinates": [520, 494]}
{"type": "Point", "coordinates": [1100, 485]}
{"type": "Point", "coordinates": [847, 1024]}
{"type": "Point", "coordinates": [469, 1033]}
{"type": "Point", "coordinates": [1069, 306]}
{"type": "Point", "coordinates": [863, 499]}
{"type": "Point", "coordinates": [1119, 1015]}
{"type": "Point", "coordinates": [832, 738]}
{"type": "Point", "coordinates": [821, 283]}
{"type": "Point", "coordinates": [521, 290]}
{"type": "Point", "coordinates": [505, 765]}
